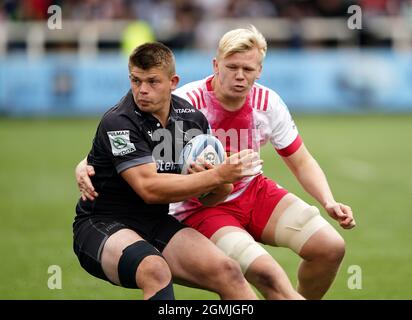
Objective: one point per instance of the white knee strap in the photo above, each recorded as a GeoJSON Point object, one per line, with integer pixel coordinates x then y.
{"type": "Point", "coordinates": [297, 224]}
{"type": "Point", "coordinates": [241, 247]}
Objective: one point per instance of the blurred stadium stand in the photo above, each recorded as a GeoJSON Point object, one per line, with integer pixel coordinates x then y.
{"type": "Point", "coordinates": [315, 61]}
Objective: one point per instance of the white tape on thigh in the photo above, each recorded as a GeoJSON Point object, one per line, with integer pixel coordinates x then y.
{"type": "Point", "coordinates": [297, 224]}
{"type": "Point", "coordinates": [241, 247]}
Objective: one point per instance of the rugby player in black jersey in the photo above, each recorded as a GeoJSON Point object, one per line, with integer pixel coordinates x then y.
{"type": "Point", "coordinates": [125, 235]}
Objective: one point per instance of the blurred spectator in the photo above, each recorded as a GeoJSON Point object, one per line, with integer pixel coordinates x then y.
{"type": "Point", "coordinates": [97, 9]}
{"type": "Point", "coordinates": [332, 8]}
{"type": "Point", "coordinates": [160, 14]}
{"type": "Point", "coordinates": [247, 8]}
{"type": "Point", "coordinates": [187, 16]}
{"type": "Point", "coordinates": [406, 10]}
{"type": "Point", "coordinates": [135, 34]}
{"type": "Point", "coordinates": [214, 9]}
{"type": "Point", "coordinates": [380, 7]}
{"type": "Point", "coordinates": [9, 10]}
{"type": "Point", "coordinates": [181, 23]}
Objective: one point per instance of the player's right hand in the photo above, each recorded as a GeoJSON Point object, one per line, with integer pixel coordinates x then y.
{"type": "Point", "coordinates": [239, 165]}
{"type": "Point", "coordinates": [341, 213]}
{"type": "Point", "coordinates": [83, 173]}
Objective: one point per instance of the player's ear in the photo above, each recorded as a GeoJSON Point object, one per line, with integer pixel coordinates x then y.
{"type": "Point", "coordinates": [174, 81]}
{"type": "Point", "coordinates": [215, 67]}
{"type": "Point", "coordinates": [260, 71]}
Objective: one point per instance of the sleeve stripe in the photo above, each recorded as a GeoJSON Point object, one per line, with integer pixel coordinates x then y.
{"type": "Point", "coordinates": [259, 98]}
{"type": "Point", "coordinates": [191, 99]}
{"type": "Point", "coordinates": [265, 104]}
{"type": "Point", "coordinates": [254, 97]}
{"type": "Point", "coordinates": [133, 163]}
{"type": "Point", "coordinates": [290, 149]}
{"type": "Point", "coordinates": [197, 98]}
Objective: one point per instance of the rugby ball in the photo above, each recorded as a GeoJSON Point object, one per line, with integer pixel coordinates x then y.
{"type": "Point", "coordinates": [203, 146]}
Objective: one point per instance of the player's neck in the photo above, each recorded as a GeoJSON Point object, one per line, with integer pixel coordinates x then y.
{"type": "Point", "coordinates": [163, 115]}
{"type": "Point", "coordinates": [231, 104]}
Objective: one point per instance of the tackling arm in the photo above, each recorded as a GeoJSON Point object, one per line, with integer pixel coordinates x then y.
{"type": "Point", "coordinates": [309, 174]}
{"type": "Point", "coordinates": [166, 188]}
{"type": "Point", "coordinates": [83, 173]}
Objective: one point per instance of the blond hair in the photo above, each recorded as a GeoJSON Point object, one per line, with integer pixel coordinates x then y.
{"type": "Point", "coordinates": [241, 40]}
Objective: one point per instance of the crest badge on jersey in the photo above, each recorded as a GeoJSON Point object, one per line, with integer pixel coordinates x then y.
{"type": "Point", "coordinates": [120, 142]}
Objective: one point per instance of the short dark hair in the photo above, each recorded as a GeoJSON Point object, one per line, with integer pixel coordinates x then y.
{"type": "Point", "coordinates": [153, 54]}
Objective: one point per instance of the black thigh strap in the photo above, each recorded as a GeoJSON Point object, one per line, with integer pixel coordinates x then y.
{"type": "Point", "coordinates": [130, 260]}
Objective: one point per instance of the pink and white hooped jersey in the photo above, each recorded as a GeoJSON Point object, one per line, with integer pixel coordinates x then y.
{"type": "Point", "coordinates": [264, 117]}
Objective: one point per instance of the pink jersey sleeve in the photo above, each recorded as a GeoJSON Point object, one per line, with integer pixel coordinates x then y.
{"type": "Point", "coordinates": [284, 134]}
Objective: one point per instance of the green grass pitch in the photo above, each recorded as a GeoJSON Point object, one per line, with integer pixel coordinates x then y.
{"type": "Point", "coordinates": [367, 160]}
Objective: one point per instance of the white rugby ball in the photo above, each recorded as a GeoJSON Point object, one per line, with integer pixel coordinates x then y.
{"type": "Point", "coordinates": [203, 146]}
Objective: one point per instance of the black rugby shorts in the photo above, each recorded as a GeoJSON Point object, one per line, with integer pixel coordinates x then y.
{"type": "Point", "coordinates": [90, 234]}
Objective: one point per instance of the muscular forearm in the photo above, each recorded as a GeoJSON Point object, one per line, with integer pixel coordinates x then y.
{"type": "Point", "coordinates": [184, 186]}
{"type": "Point", "coordinates": [167, 188]}
{"type": "Point", "coordinates": [313, 180]}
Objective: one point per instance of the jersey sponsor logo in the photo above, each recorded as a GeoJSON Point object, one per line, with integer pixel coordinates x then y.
{"type": "Point", "coordinates": [120, 142]}
{"type": "Point", "coordinates": [185, 110]}
{"type": "Point", "coordinates": [165, 166]}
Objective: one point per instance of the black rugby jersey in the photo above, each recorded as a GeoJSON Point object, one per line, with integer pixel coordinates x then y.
{"type": "Point", "coordinates": [128, 137]}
